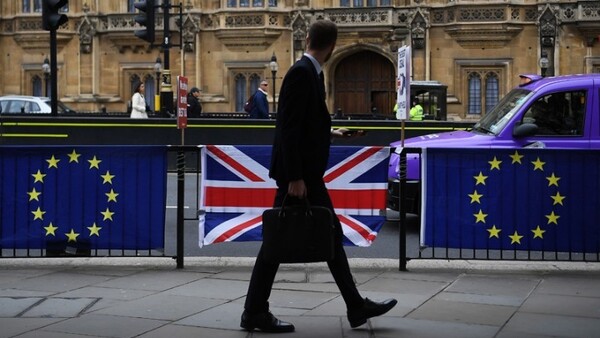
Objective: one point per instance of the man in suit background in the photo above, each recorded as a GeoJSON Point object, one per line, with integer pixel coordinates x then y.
{"type": "Point", "coordinates": [260, 110]}
{"type": "Point", "coordinates": [300, 153]}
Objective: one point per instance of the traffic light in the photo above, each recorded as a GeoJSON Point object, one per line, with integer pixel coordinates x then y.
{"type": "Point", "coordinates": [145, 18]}
{"type": "Point", "coordinates": [51, 19]}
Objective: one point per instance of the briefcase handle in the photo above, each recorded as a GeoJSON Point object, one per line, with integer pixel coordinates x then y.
{"type": "Point", "coordinates": [306, 206]}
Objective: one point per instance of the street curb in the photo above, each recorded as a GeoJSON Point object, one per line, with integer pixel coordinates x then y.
{"type": "Point", "coordinates": [358, 263]}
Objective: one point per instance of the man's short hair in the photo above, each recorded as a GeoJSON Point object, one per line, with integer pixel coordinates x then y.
{"type": "Point", "coordinates": [194, 90]}
{"type": "Point", "coordinates": [322, 34]}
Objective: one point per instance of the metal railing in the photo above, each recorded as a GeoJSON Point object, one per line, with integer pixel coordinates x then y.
{"type": "Point", "coordinates": [80, 249]}
{"type": "Point", "coordinates": [410, 235]}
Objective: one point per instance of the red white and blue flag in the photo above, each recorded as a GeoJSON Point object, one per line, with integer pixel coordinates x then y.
{"type": "Point", "coordinates": [236, 189]}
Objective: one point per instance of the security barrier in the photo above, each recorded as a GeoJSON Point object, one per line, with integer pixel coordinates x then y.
{"type": "Point", "coordinates": [503, 204]}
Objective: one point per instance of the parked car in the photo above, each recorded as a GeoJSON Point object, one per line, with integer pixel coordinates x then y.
{"type": "Point", "coordinates": [542, 112]}
{"type": "Point", "coordinates": [19, 104]}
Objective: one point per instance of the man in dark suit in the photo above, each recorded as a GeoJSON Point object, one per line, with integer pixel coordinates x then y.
{"type": "Point", "coordinates": [300, 153]}
{"type": "Point", "coordinates": [261, 104]}
{"type": "Point", "coordinates": [194, 108]}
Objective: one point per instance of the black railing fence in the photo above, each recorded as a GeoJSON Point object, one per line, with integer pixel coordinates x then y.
{"type": "Point", "coordinates": [579, 242]}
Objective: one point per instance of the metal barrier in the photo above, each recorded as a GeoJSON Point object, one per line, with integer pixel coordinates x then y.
{"type": "Point", "coordinates": [410, 237]}
{"type": "Point", "coordinates": [64, 249]}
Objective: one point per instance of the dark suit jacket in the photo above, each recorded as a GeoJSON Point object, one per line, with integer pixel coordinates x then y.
{"type": "Point", "coordinates": [303, 127]}
{"type": "Point", "coordinates": [194, 108]}
{"type": "Point", "coordinates": [261, 106]}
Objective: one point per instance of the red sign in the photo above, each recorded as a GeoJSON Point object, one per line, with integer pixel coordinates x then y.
{"type": "Point", "coordinates": [182, 89]}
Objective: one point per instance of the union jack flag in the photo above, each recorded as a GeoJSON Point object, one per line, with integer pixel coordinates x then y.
{"type": "Point", "coordinates": [236, 189]}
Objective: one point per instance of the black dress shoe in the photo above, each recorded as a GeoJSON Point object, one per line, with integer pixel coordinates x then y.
{"type": "Point", "coordinates": [265, 322]}
{"type": "Point", "coordinates": [358, 317]}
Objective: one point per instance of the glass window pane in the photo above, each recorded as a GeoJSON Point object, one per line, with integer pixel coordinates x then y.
{"type": "Point", "coordinates": [257, 3]}
{"type": "Point", "coordinates": [386, 2]}
{"type": "Point", "coordinates": [130, 7]}
{"type": "Point", "coordinates": [231, 3]}
{"type": "Point", "coordinates": [149, 83]}
{"type": "Point", "coordinates": [474, 100]}
{"type": "Point", "coordinates": [371, 3]}
{"type": "Point", "coordinates": [357, 3]}
{"type": "Point", "coordinates": [244, 3]}
{"type": "Point", "coordinates": [26, 8]}
{"type": "Point", "coordinates": [344, 3]}
{"type": "Point", "coordinates": [37, 6]}
{"type": "Point", "coordinates": [37, 86]}
{"type": "Point", "coordinates": [240, 92]}
{"type": "Point", "coordinates": [272, 3]}
{"type": "Point", "coordinates": [491, 92]}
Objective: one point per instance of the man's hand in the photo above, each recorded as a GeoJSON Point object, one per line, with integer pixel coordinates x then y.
{"type": "Point", "coordinates": [347, 133]}
{"type": "Point", "coordinates": [297, 189]}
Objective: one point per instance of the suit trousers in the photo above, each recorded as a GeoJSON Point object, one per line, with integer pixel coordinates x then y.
{"type": "Point", "coordinates": [263, 274]}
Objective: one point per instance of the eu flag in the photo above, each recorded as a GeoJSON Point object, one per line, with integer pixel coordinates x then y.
{"type": "Point", "coordinates": [110, 197]}
{"type": "Point", "coordinates": [525, 199]}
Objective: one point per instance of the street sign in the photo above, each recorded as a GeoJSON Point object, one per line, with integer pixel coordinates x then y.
{"type": "Point", "coordinates": [182, 89]}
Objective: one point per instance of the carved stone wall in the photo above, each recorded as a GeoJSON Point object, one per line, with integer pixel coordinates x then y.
{"type": "Point", "coordinates": [98, 52]}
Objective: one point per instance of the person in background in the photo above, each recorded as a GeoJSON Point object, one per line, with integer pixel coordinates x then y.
{"type": "Point", "coordinates": [138, 102]}
{"type": "Point", "coordinates": [194, 107]}
{"type": "Point", "coordinates": [416, 112]}
{"type": "Point", "coordinates": [261, 105]}
{"type": "Point", "coordinates": [299, 159]}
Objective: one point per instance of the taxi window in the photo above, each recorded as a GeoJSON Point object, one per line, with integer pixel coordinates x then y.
{"type": "Point", "coordinates": [561, 113]}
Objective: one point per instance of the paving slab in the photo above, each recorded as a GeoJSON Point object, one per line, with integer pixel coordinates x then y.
{"type": "Point", "coordinates": [578, 306]}
{"type": "Point", "coordinates": [60, 307]}
{"type": "Point", "coordinates": [11, 307]}
{"type": "Point", "coordinates": [12, 327]}
{"type": "Point", "coordinates": [161, 306]}
{"type": "Point", "coordinates": [106, 293]}
{"type": "Point", "coordinates": [224, 316]}
{"type": "Point", "coordinates": [105, 326]}
{"type": "Point", "coordinates": [553, 325]}
{"type": "Point", "coordinates": [574, 285]}
{"type": "Point", "coordinates": [182, 331]}
{"type": "Point", "coordinates": [470, 313]}
{"type": "Point", "coordinates": [153, 280]}
{"type": "Point", "coordinates": [58, 282]}
{"type": "Point", "coordinates": [212, 288]}
{"type": "Point", "coordinates": [386, 327]}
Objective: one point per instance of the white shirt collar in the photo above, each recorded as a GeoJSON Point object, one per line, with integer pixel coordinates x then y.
{"type": "Point", "coordinates": [314, 62]}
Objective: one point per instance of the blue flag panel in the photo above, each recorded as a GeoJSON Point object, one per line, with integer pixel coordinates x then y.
{"type": "Point", "coordinates": [92, 197]}
{"type": "Point", "coordinates": [526, 199]}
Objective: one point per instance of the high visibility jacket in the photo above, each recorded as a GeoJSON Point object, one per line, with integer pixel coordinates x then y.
{"type": "Point", "coordinates": [416, 113]}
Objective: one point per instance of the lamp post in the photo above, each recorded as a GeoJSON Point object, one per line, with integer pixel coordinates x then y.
{"type": "Point", "coordinates": [544, 63]}
{"type": "Point", "coordinates": [274, 67]}
{"type": "Point", "coordinates": [157, 70]}
{"type": "Point", "coordinates": [46, 70]}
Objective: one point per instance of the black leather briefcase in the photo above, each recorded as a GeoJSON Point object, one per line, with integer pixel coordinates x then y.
{"type": "Point", "coordinates": [298, 234]}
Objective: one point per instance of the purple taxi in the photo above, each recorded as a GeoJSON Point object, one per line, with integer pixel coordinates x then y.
{"type": "Point", "coordinates": [542, 112]}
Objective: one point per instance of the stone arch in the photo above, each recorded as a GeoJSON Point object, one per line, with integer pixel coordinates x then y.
{"type": "Point", "coordinates": [361, 81]}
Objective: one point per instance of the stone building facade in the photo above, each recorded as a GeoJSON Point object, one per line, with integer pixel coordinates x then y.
{"type": "Point", "coordinates": [475, 48]}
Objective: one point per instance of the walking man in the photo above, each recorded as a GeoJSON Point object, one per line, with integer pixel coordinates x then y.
{"type": "Point", "coordinates": [300, 153]}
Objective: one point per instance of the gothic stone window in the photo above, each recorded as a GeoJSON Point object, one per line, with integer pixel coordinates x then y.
{"type": "Point", "coordinates": [36, 85]}
{"type": "Point", "coordinates": [150, 84]}
{"type": "Point", "coordinates": [32, 6]}
{"type": "Point", "coordinates": [365, 3]}
{"type": "Point", "coordinates": [482, 89]}
{"type": "Point", "coordinates": [251, 3]}
{"type": "Point", "coordinates": [245, 85]}
{"type": "Point", "coordinates": [29, 6]}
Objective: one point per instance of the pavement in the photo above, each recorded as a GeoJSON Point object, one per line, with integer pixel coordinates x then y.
{"type": "Point", "coordinates": [150, 297]}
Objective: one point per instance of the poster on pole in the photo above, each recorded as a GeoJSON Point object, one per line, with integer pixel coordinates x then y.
{"type": "Point", "coordinates": [182, 88]}
{"type": "Point", "coordinates": [403, 83]}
